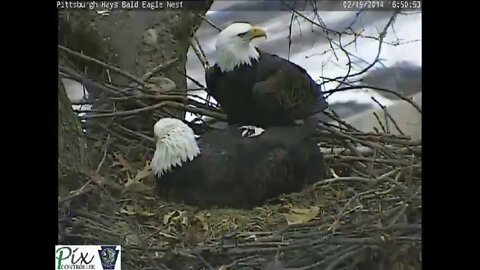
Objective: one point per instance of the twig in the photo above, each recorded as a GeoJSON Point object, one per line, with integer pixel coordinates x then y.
{"type": "Point", "coordinates": [192, 79]}
{"type": "Point", "coordinates": [375, 88]}
{"type": "Point", "coordinates": [124, 113]}
{"type": "Point", "coordinates": [327, 259]}
{"type": "Point", "coordinates": [380, 43]}
{"type": "Point", "coordinates": [236, 262]}
{"type": "Point", "coordinates": [345, 256]}
{"type": "Point", "coordinates": [195, 44]}
{"type": "Point", "coordinates": [400, 162]}
{"type": "Point", "coordinates": [105, 148]}
{"type": "Point", "coordinates": [384, 150]}
{"type": "Point", "coordinates": [380, 123]}
{"type": "Point", "coordinates": [290, 35]}
{"type": "Point", "coordinates": [348, 143]}
{"type": "Point", "coordinates": [115, 134]}
{"type": "Point", "coordinates": [387, 114]}
{"type": "Point", "coordinates": [344, 208]}
{"type": "Point", "coordinates": [138, 134]}
{"type": "Point", "coordinates": [209, 22]}
{"type": "Point", "coordinates": [204, 261]}
{"type": "Point", "coordinates": [76, 193]}
{"type": "Point", "coordinates": [324, 29]}
{"type": "Point", "coordinates": [88, 58]}
{"type": "Point", "coordinates": [159, 68]}
{"type": "Point", "coordinates": [156, 106]}
{"type": "Point", "coordinates": [86, 82]}
{"type": "Point", "coordinates": [339, 179]}
{"type": "Point", "coordinates": [336, 118]}
{"type": "Point", "coordinates": [349, 64]}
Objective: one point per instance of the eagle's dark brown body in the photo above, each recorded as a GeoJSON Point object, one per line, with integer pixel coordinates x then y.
{"type": "Point", "coordinates": [233, 171]}
{"type": "Point", "coordinates": [271, 92]}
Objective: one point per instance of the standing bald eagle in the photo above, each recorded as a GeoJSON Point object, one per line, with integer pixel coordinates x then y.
{"type": "Point", "coordinates": [257, 88]}
{"type": "Point", "coordinates": [226, 169]}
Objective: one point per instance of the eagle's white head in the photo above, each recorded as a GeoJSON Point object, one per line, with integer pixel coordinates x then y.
{"type": "Point", "coordinates": [233, 47]}
{"type": "Point", "coordinates": [176, 144]}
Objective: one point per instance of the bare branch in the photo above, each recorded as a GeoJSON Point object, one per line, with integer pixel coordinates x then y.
{"type": "Point", "coordinates": [96, 61]}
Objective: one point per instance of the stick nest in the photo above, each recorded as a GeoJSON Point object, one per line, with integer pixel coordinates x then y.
{"type": "Point", "coordinates": [367, 215]}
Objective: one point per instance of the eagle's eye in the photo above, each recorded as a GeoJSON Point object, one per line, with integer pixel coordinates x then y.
{"type": "Point", "coordinates": [242, 34]}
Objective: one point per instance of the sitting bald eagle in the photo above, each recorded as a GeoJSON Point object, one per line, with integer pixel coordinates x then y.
{"type": "Point", "coordinates": [226, 169]}
{"type": "Point", "coordinates": [257, 88]}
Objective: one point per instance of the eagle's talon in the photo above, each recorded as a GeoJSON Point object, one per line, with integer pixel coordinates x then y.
{"type": "Point", "coordinates": [251, 131]}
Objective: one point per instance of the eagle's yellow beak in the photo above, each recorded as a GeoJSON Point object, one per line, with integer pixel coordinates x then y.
{"type": "Point", "coordinates": [257, 32]}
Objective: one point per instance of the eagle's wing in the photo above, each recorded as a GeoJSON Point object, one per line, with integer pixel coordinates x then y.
{"type": "Point", "coordinates": [287, 160]}
{"type": "Point", "coordinates": [210, 75]}
{"type": "Point", "coordinates": [246, 170]}
{"type": "Point", "coordinates": [289, 89]}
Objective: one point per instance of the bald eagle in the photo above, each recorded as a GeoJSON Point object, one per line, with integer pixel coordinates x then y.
{"type": "Point", "coordinates": [225, 169]}
{"type": "Point", "coordinates": [257, 88]}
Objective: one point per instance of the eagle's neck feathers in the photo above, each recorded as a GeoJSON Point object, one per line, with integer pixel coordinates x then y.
{"type": "Point", "coordinates": [232, 55]}
{"type": "Point", "coordinates": [175, 146]}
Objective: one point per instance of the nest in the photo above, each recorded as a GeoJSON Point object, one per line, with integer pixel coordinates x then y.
{"type": "Point", "coordinates": [366, 215]}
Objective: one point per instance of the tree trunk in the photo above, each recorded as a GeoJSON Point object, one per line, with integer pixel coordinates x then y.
{"type": "Point", "coordinates": [143, 40]}
{"type": "Point", "coordinates": [73, 153]}
{"type": "Point", "coordinates": [120, 39]}
{"type": "Point", "coordinates": [136, 42]}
